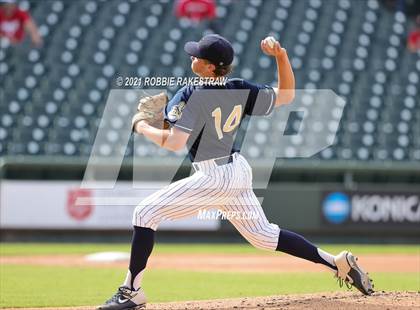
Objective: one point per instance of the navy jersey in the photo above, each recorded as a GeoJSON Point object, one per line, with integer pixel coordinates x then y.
{"type": "Point", "coordinates": [213, 114]}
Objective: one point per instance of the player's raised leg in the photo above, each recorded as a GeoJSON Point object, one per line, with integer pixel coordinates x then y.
{"type": "Point", "coordinates": [254, 226]}
{"type": "Point", "coordinates": [345, 264]}
{"type": "Point", "coordinates": [265, 235]}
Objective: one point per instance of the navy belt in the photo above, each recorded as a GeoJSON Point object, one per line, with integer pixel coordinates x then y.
{"type": "Point", "coordinates": [224, 160]}
{"type": "Point", "coordinates": [200, 165]}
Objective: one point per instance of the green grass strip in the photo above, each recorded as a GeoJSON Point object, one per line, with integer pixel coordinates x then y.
{"type": "Point", "coordinates": [8, 249]}
{"type": "Point", "coordinates": [42, 286]}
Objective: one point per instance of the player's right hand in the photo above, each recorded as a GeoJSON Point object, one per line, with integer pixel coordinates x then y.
{"type": "Point", "coordinates": [275, 50]}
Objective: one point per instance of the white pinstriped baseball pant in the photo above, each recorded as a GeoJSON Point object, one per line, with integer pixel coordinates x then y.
{"type": "Point", "coordinates": [226, 187]}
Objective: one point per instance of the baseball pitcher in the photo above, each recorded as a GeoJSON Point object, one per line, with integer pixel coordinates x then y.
{"type": "Point", "coordinates": [206, 118]}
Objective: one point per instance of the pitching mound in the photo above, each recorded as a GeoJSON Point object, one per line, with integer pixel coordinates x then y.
{"type": "Point", "coordinates": [322, 301]}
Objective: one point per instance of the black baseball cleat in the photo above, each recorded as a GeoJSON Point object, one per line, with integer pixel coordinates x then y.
{"type": "Point", "coordinates": [351, 274]}
{"type": "Point", "coordinates": [125, 299]}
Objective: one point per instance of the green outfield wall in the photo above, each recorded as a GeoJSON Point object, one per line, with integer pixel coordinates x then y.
{"type": "Point", "coordinates": [319, 198]}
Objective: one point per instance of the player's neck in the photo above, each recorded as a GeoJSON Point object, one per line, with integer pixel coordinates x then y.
{"type": "Point", "coordinates": [207, 75]}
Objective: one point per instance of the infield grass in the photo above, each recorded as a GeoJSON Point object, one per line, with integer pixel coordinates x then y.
{"type": "Point", "coordinates": [42, 286]}
{"type": "Point", "coordinates": [87, 248]}
{"type": "Point", "coordinates": [39, 286]}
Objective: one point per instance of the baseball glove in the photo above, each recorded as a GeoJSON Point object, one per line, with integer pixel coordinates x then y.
{"type": "Point", "coordinates": [150, 109]}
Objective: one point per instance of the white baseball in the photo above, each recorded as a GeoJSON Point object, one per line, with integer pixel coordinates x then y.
{"type": "Point", "coordinates": [270, 41]}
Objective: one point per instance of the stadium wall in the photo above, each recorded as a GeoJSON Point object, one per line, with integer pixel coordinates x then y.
{"type": "Point", "coordinates": [353, 201]}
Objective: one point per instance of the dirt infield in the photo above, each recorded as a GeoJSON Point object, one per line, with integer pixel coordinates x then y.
{"type": "Point", "coordinates": [227, 262]}
{"type": "Point", "coordinates": [324, 301]}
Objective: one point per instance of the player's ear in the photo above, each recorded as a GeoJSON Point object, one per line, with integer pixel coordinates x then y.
{"type": "Point", "coordinates": [211, 67]}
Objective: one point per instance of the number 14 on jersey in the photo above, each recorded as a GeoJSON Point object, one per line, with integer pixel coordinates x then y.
{"type": "Point", "coordinates": [231, 122]}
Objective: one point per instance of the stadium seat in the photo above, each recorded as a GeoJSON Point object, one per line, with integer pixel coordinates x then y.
{"type": "Point", "coordinates": [355, 49]}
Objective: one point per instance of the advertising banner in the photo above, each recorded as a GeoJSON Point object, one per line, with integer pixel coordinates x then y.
{"type": "Point", "coordinates": [64, 205]}
{"type": "Point", "coordinates": [371, 208]}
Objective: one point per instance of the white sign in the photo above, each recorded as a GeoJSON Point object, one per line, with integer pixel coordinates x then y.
{"type": "Point", "coordinates": [386, 208]}
{"type": "Point", "coordinates": [52, 205]}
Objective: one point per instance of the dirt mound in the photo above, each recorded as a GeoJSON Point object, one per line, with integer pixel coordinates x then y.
{"type": "Point", "coordinates": [324, 301]}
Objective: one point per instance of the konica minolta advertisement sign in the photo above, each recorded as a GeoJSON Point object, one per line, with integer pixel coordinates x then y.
{"type": "Point", "coordinates": [371, 208]}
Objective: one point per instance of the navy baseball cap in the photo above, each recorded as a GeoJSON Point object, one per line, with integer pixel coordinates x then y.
{"type": "Point", "coordinates": [213, 48]}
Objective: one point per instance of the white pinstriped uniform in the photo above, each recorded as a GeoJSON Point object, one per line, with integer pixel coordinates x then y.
{"type": "Point", "coordinates": [226, 187]}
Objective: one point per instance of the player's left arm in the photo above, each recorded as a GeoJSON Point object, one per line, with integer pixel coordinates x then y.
{"type": "Point", "coordinates": [172, 139]}
{"type": "Point", "coordinates": [285, 90]}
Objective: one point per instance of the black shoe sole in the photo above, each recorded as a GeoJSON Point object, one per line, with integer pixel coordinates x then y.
{"type": "Point", "coordinates": [139, 307]}
{"type": "Point", "coordinates": [359, 276]}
